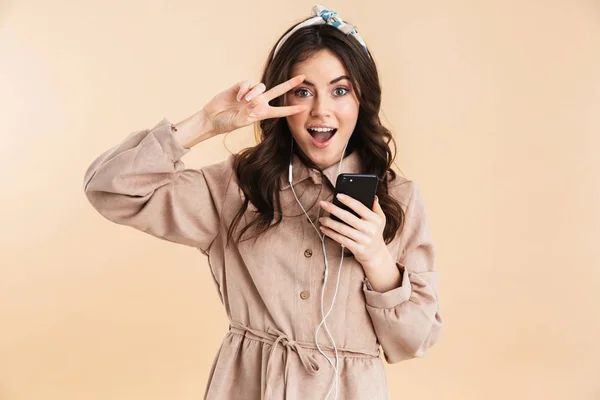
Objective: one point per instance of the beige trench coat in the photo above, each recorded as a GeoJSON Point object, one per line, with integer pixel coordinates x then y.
{"type": "Point", "coordinates": [271, 287]}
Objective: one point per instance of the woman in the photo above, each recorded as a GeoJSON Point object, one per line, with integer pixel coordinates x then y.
{"type": "Point", "coordinates": [255, 218]}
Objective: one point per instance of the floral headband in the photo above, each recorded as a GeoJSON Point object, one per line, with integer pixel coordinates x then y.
{"type": "Point", "coordinates": [322, 15]}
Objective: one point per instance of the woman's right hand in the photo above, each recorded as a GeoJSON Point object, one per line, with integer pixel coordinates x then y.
{"type": "Point", "coordinates": [226, 113]}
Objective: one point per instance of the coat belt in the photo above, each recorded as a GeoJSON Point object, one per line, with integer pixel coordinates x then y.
{"type": "Point", "coordinates": [276, 337]}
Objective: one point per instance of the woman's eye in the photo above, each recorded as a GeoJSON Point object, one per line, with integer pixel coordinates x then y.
{"type": "Point", "coordinates": [341, 88]}
{"type": "Point", "coordinates": [301, 90]}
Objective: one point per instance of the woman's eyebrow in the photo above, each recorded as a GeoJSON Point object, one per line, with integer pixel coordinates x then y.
{"type": "Point", "coordinates": [331, 83]}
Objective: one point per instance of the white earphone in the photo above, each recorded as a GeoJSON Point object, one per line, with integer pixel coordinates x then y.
{"type": "Point", "coordinates": [324, 316]}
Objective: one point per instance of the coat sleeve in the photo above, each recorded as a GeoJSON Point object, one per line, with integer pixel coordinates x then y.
{"type": "Point", "coordinates": [142, 183]}
{"type": "Point", "coordinates": [407, 319]}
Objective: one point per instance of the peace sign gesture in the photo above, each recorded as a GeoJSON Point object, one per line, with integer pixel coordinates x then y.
{"type": "Point", "coordinates": [226, 113]}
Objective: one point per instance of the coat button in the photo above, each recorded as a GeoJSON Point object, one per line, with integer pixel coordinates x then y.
{"type": "Point", "coordinates": [308, 253]}
{"type": "Point", "coordinates": [304, 295]}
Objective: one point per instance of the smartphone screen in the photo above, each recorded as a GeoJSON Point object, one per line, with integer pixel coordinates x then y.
{"type": "Point", "coordinates": [361, 187]}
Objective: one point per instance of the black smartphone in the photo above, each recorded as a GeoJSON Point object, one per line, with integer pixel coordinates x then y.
{"type": "Point", "coordinates": [361, 187]}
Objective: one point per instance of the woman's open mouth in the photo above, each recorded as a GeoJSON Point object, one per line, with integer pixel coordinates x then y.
{"type": "Point", "coordinates": [321, 137]}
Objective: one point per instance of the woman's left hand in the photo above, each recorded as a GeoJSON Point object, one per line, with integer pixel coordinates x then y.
{"type": "Point", "coordinates": [362, 236]}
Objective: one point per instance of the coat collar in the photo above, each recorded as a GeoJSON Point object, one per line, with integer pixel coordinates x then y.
{"type": "Point", "coordinates": [351, 164]}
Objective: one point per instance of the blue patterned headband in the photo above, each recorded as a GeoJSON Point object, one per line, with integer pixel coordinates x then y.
{"type": "Point", "coordinates": [322, 15]}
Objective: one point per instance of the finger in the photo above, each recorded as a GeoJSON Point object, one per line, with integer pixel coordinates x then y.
{"type": "Point", "coordinates": [244, 86]}
{"type": "Point", "coordinates": [245, 89]}
{"type": "Point", "coordinates": [341, 239]}
{"type": "Point", "coordinates": [283, 87]}
{"type": "Point", "coordinates": [342, 229]}
{"type": "Point", "coordinates": [255, 91]}
{"type": "Point", "coordinates": [344, 215]}
{"type": "Point", "coordinates": [357, 206]}
{"type": "Point", "coordinates": [278, 112]}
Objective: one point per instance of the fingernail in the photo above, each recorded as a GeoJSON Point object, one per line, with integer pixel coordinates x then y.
{"type": "Point", "coordinates": [248, 98]}
{"type": "Point", "coordinates": [341, 196]}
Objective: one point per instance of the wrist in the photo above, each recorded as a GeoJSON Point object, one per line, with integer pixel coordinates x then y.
{"type": "Point", "coordinates": [194, 129]}
{"type": "Point", "coordinates": [383, 258]}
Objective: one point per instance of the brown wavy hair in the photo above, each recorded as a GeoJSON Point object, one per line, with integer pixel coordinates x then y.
{"type": "Point", "coordinates": [258, 169]}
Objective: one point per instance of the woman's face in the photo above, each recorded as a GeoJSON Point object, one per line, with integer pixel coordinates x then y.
{"type": "Point", "coordinates": [330, 101]}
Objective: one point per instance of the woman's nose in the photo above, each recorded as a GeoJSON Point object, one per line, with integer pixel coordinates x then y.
{"type": "Point", "coordinates": [321, 107]}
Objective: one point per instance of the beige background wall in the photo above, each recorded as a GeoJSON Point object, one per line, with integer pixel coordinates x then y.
{"type": "Point", "coordinates": [495, 105]}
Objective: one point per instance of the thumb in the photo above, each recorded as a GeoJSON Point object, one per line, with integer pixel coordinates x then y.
{"type": "Point", "coordinates": [377, 207]}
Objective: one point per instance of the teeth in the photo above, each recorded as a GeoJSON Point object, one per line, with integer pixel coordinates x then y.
{"type": "Point", "coordinates": [322, 129]}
